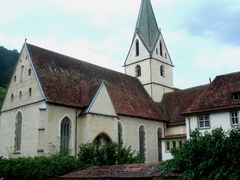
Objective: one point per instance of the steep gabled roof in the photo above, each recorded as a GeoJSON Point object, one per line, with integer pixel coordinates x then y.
{"type": "Point", "coordinates": [71, 82]}
{"type": "Point", "coordinates": [174, 103]}
{"type": "Point", "coordinates": [218, 96]}
{"type": "Point", "coordinates": [146, 26]}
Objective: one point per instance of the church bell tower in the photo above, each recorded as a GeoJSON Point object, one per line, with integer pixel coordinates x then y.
{"type": "Point", "coordinates": [148, 58]}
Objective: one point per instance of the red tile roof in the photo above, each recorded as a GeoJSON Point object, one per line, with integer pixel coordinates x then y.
{"type": "Point", "coordinates": [174, 103]}
{"type": "Point", "coordinates": [218, 96]}
{"type": "Point", "coordinates": [127, 171]}
{"type": "Point", "coordinates": [71, 82]}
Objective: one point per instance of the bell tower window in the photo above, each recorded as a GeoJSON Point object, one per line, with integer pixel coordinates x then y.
{"type": "Point", "coordinates": [161, 50]}
{"type": "Point", "coordinates": [137, 48]}
{"type": "Point", "coordinates": [138, 71]}
{"type": "Point", "coordinates": [162, 73]}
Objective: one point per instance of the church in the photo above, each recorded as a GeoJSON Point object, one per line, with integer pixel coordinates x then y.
{"type": "Point", "coordinates": [54, 102]}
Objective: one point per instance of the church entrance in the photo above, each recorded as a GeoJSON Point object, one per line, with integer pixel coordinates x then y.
{"type": "Point", "coordinates": [102, 139]}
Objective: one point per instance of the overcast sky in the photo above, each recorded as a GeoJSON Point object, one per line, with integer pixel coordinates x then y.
{"type": "Point", "coordinates": [202, 36]}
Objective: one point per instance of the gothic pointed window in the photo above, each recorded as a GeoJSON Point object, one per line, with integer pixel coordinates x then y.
{"type": "Point", "coordinates": [161, 49]}
{"type": "Point", "coordinates": [137, 48]}
{"type": "Point", "coordinates": [162, 73]}
{"type": "Point", "coordinates": [65, 136]}
{"type": "Point", "coordinates": [142, 148]}
{"type": "Point", "coordinates": [120, 133]}
{"type": "Point", "coordinates": [159, 139]}
{"type": "Point", "coordinates": [21, 74]}
{"type": "Point", "coordinates": [18, 132]}
{"type": "Point", "coordinates": [138, 71]}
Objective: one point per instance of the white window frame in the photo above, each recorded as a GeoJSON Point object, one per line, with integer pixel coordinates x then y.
{"type": "Point", "coordinates": [203, 120]}
{"type": "Point", "coordinates": [234, 118]}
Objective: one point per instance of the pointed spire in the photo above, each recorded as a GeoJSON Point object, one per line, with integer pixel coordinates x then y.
{"type": "Point", "coordinates": [146, 26]}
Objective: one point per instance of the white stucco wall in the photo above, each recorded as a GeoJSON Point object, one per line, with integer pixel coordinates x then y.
{"type": "Point", "coordinates": [143, 53]}
{"type": "Point", "coordinates": [53, 128]}
{"type": "Point", "coordinates": [22, 84]}
{"type": "Point", "coordinates": [30, 125]}
{"type": "Point", "coordinates": [218, 119]}
{"type": "Point", "coordinates": [131, 135]}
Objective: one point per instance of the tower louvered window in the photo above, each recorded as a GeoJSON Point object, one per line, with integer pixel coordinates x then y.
{"type": "Point", "coordinates": [142, 148]}
{"type": "Point", "coordinates": [18, 132]}
{"type": "Point", "coordinates": [138, 71]}
{"type": "Point", "coordinates": [65, 136]}
{"type": "Point", "coordinates": [162, 71]}
{"type": "Point", "coordinates": [137, 48]}
{"type": "Point", "coordinates": [161, 49]}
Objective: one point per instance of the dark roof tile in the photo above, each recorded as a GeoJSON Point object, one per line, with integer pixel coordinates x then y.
{"type": "Point", "coordinates": [174, 103]}
{"type": "Point", "coordinates": [218, 96]}
{"type": "Point", "coordinates": [73, 82]}
{"type": "Point", "coordinates": [115, 171]}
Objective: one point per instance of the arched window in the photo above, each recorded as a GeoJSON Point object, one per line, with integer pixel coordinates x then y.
{"type": "Point", "coordinates": [12, 97]}
{"type": "Point", "coordinates": [18, 132]}
{"type": "Point", "coordinates": [120, 133]}
{"type": "Point", "coordinates": [65, 136]}
{"type": "Point", "coordinates": [159, 139]}
{"type": "Point", "coordinates": [20, 95]}
{"type": "Point", "coordinates": [138, 71]}
{"type": "Point", "coordinates": [30, 92]}
{"type": "Point", "coordinates": [102, 139]}
{"type": "Point", "coordinates": [142, 148]}
{"type": "Point", "coordinates": [161, 50]}
{"type": "Point", "coordinates": [29, 72]}
{"type": "Point", "coordinates": [162, 73]}
{"type": "Point", "coordinates": [137, 48]}
{"type": "Point", "coordinates": [15, 78]}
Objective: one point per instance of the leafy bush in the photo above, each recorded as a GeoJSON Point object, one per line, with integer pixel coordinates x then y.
{"type": "Point", "coordinates": [37, 167]}
{"type": "Point", "coordinates": [108, 154]}
{"type": "Point", "coordinates": [212, 156]}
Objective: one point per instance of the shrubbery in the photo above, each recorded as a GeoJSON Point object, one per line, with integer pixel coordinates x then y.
{"type": "Point", "coordinates": [210, 156]}
{"type": "Point", "coordinates": [51, 166]}
{"type": "Point", "coordinates": [108, 154]}
{"type": "Point", "coordinates": [37, 167]}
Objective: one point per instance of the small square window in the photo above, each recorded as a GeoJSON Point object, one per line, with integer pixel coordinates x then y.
{"type": "Point", "coordinates": [174, 145]}
{"type": "Point", "coordinates": [203, 121]}
{"type": "Point", "coordinates": [180, 144]}
{"type": "Point", "coordinates": [167, 146]}
{"type": "Point", "coordinates": [234, 118]}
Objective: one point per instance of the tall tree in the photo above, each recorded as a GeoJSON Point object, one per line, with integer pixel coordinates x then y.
{"type": "Point", "coordinates": [2, 95]}
{"type": "Point", "coordinates": [8, 61]}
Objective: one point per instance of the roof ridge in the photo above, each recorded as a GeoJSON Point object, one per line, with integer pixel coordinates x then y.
{"type": "Point", "coordinates": [75, 59]}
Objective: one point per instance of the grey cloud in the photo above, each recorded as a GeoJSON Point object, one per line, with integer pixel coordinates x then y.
{"type": "Point", "coordinates": [216, 19]}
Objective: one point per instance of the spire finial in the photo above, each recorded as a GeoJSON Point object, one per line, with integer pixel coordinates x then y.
{"type": "Point", "coordinates": [25, 40]}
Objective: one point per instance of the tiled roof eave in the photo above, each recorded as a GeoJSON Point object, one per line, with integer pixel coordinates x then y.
{"type": "Point", "coordinates": [212, 109]}
{"type": "Point", "coordinates": [143, 117]}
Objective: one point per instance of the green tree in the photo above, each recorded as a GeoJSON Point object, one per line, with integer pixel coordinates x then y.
{"type": "Point", "coordinates": [210, 156]}
{"type": "Point", "coordinates": [8, 61]}
{"type": "Point", "coordinates": [2, 95]}
{"type": "Point", "coordinates": [107, 154]}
